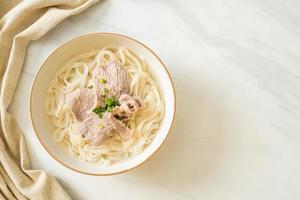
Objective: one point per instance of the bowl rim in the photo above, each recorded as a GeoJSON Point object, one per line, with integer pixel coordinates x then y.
{"type": "Point", "coordinates": [43, 64]}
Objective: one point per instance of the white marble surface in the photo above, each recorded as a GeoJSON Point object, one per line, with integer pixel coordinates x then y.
{"type": "Point", "coordinates": [236, 69]}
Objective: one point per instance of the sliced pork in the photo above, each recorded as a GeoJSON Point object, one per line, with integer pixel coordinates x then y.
{"type": "Point", "coordinates": [81, 101]}
{"type": "Point", "coordinates": [95, 129]}
{"type": "Point", "coordinates": [111, 80]}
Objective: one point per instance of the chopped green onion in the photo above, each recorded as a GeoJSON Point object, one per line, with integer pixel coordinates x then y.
{"type": "Point", "coordinates": [106, 91]}
{"type": "Point", "coordinates": [111, 101]}
{"type": "Point", "coordinates": [90, 87]}
{"type": "Point", "coordinates": [99, 111]}
{"type": "Point", "coordinates": [109, 109]}
{"type": "Point", "coordinates": [102, 126]}
{"type": "Point", "coordinates": [102, 80]}
{"type": "Point", "coordinates": [110, 104]}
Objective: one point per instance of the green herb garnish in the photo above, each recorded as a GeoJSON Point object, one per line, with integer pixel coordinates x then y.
{"type": "Point", "coordinates": [99, 111]}
{"type": "Point", "coordinates": [102, 80]}
{"type": "Point", "coordinates": [90, 87]}
{"type": "Point", "coordinates": [102, 126]}
{"type": "Point", "coordinates": [109, 109]}
{"type": "Point", "coordinates": [110, 104]}
{"type": "Point", "coordinates": [102, 94]}
{"type": "Point", "coordinates": [106, 91]}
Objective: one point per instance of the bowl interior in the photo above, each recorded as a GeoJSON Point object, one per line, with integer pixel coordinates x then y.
{"type": "Point", "coordinates": [44, 127]}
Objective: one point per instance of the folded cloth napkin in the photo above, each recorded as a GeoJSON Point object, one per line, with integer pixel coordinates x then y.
{"type": "Point", "coordinates": [21, 22]}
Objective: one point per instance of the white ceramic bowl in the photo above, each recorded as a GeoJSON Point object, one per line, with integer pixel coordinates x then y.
{"type": "Point", "coordinates": [42, 123]}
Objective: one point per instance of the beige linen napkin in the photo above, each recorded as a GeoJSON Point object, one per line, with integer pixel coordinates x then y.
{"type": "Point", "coordinates": [21, 23]}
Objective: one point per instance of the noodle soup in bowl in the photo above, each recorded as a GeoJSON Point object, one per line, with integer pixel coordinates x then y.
{"type": "Point", "coordinates": [80, 97]}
